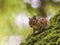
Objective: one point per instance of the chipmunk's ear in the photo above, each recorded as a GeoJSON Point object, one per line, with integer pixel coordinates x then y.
{"type": "Point", "coordinates": [34, 17]}
{"type": "Point", "coordinates": [29, 18]}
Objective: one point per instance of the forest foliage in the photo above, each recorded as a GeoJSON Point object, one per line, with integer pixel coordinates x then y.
{"type": "Point", "coordinates": [9, 9]}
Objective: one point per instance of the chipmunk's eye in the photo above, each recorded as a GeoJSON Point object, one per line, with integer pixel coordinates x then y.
{"type": "Point", "coordinates": [34, 22]}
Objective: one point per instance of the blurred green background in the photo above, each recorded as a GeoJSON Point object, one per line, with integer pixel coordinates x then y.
{"type": "Point", "coordinates": [9, 9]}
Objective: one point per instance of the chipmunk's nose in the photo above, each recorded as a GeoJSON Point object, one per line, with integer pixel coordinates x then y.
{"type": "Point", "coordinates": [31, 26]}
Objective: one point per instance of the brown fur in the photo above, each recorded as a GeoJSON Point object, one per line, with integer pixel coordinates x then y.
{"type": "Point", "coordinates": [38, 23]}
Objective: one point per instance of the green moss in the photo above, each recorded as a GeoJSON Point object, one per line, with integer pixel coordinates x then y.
{"type": "Point", "coordinates": [50, 36]}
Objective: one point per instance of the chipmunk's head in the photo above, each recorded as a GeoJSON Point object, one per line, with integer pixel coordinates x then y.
{"type": "Point", "coordinates": [32, 21]}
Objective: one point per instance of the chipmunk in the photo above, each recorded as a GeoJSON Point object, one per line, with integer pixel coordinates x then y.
{"type": "Point", "coordinates": [38, 23]}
